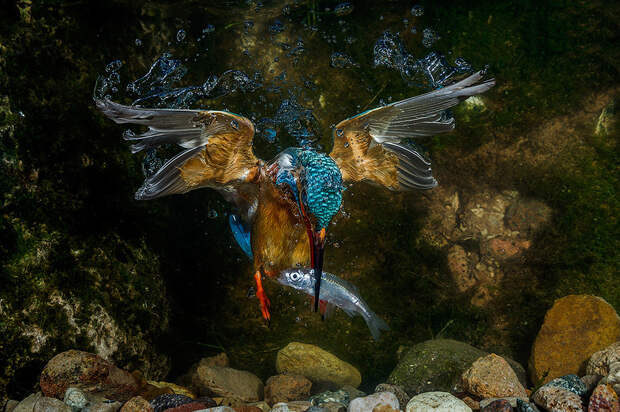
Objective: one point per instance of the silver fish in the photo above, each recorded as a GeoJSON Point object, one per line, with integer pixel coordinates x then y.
{"type": "Point", "coordinates": [336, 291]}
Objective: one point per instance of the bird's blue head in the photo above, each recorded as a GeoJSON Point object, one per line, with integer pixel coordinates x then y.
{"type": "Point", "coordinates": [319, 198]}
{"type": "Point", "coordinates": [321, 184]}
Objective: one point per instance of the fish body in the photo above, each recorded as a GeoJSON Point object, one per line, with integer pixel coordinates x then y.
{"type": "Point", "coordinates": [336, 291]}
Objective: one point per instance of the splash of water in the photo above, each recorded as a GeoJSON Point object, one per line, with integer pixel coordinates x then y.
{"type": "Point", "coordinates": [341, 60]}
{"type": "Point", "coordinates": [431, 71]}
{"type": "Point", "coordinates": [297, 120]}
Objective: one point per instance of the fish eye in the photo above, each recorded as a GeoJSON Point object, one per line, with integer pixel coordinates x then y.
{"type": "Point", "coordinates": [294, 275]}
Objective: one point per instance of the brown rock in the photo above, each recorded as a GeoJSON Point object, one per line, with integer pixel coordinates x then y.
{"type": "Point", "coordinates": [604, 399]}
{"type": "Point", "coordinates": [502, 248]}
{"type": "Point", "coordinates": [574, 328]}
{"type": "Point", "coordinates": [88, 372]}
{"type": "Point", "coordinates": [500, 405]}
{"type": "Point", "coordinates": [188, 407]}
{"type": "Point", "coordinates": [101, 406]}
{"type": "Point", "coordinates": [45, 404]}
{"type": "Point", "coordinates": [220, 360]}
{"type": "Point", "coordinates": [137, 404]}
{"type": "Point", "coordinates": [472, 403]}
{"type": "Point", "coordinates": [228, 382]}
{"type": "Point", "coordinates": [492, 377]}
{"type": "Point", "coordinates": [181, 390]}
{"type": "Point", "coordinates": [298, 406]}
{"type": "Point", "coordinates": [285, 387]}
{"type": "Point", "coordinates": [527, 215]}
{"type": "Point", "coordinates": [262, 405]}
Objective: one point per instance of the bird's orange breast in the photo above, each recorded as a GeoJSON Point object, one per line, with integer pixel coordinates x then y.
{"type": "Point", "coordinates": [279, 238]}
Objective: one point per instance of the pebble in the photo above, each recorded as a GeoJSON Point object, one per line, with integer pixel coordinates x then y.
{"type": "Point", "coordinates": [339, 396]}
{"type": "Point", "coordinates": [599, 362]}
{"type": "Point", "coordinates": [75, 399]}
{"type": "Point", "coordinates": [570, 383]}
{"type": "Point", "coordinates": [334, 407]}
{"type": "Point", "coordinates": [262, 405]}
{"type": "Point", "coordinates": [189, 407]}
{"type": "Point", "coordinates": [403, 397]}
{"type": "Point", "coordinates": [103, 406]}
{"type": "Point", "coordinates": [45, 404]}
{"type": "Point", "coordinates": [137, 404]}
{"type": "Point", "coordinates": [523, 406]}
{"type": "Point", "coordinates": [368, 403]}
{"type": "Point", "coordinates": [354, 392]}
{"type": "Point", "coordinates": [498, 405]}
{"type": "Point", "coordinates": [557, 398]}
{"type": "Point", "coordinates": [604, 398]}
{"type": "Point", "coordinates": [284, 388]}
{"type": "Point", "coordinates": [248, 408]}
{"type": "Point", "coordinates": [492, 377]}
{"type": "Point", "coordinates": [511, 400]}
{"type": "Point", "coordinates": [169, 400]}
{"type": "Point", "coordinates": [280, 407]}
{"type": "Point", "coordinates": [436, 402]}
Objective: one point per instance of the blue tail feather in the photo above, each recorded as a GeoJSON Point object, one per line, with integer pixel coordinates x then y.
{"type": "Point", "coordinates": [241, 234]}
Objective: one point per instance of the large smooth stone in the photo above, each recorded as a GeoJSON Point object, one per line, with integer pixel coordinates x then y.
{"type": "Point", "coordinates": [575, 327]}
{"type": "Point", "coordinates": [370, 402]}
{"type": "Point", "coordinates": [436, 402]}
{"type": "Point", "coordinates": [317, 365]}
{"type": "Point", "coordinates": [492, 377]}
{"type": "Point", "coordinates": [228, 382]}
{"type": "Point", "coordinates": [437, 365]}
{"type": "Point", "coordinates": [286, 387]}
{"type": "Point", "coordinates": [88, 372]}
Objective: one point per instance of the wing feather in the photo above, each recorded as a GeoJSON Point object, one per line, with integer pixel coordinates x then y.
{"type": "Point", "coordinates": [218, 149]}
{"type": "Point", "coordinates": [372, 146]}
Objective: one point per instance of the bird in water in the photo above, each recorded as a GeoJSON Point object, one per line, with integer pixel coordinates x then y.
{"type": "Point", "coordinates": [283, 208]}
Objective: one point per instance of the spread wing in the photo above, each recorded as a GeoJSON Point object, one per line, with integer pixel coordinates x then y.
{"type": "Point", "coordinates": [218, 150]}
{"type": "Point", "coordinates": [372, 146]}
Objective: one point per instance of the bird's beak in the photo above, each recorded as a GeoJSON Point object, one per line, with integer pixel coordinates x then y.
{"type": "Point", "coordinates": [318, 246]}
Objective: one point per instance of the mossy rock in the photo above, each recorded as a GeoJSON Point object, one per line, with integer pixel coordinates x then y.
{"type": "Point", "coordinates": [437, 365]}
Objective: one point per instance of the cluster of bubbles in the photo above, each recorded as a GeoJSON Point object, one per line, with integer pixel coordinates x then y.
{"type": "Point", "coordinates": [431, 71]}
{"type": "Point", "coordinates": [297, 120]}
{"type": "Point", "coordinates": [341, 60]}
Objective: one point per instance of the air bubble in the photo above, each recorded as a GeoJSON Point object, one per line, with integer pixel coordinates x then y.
{"type": "Point", "coordinates": [181, 35]}
{"type": "Point", "coordinates": [212, 214]}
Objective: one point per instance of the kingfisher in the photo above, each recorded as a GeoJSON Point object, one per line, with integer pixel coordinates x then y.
{"type": "Point", "coordinates": [283, 207]}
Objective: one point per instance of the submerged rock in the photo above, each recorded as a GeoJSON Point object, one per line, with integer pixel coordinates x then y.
{"type": "Point", "coordinates": [401, 395]}
{"type": "Point", "coordinates": [75, 399]}
{"type": "Point", "coordinates": [220, 381]}
{"type": "Point", "coordinates": [370, 402]}
{"type": "Point", "coordinates": [90, 373]}
{"type": "Point", "coordinates": [27, 405]}
{"type": "Point", "coordinates": [436, 401]}
{"type": "Point", "coordinates": [285, 387]}
{"type": "Point", "coordinates": [600, 361]}
{"type": "Point", "coordinates": [137, 404]}
{"type": "Point", "coordinates": [45, 404]}
{"type": "Point", "coordinates": [167, 401]}
{"type": "Point", "coordinates": [556, 398]}
{"type": "Point", "coordinates": [575, 327]}
{"type": "Point", "coordinates": [498, 405]}
{"type": "Point", "coordinates": [570, 383]}
{"type": "Point", "coordinates": [437, 365]}
{"type": "Point", "coordinates": [317, 365]}
{"type": "Point", "coordinates": [604, 398]}
{"type": "Point", "coordinates": [491, 376]}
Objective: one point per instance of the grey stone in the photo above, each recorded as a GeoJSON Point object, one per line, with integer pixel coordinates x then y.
{"type": "Point", "coordinates": [27, 405]}
{"type": "Point", "coordinates": [45, 404]}
{"type": "Point", "coordinates": [368, 403]}
{"type": "Point", "coordinates": [75, 399]}
{"type": "Point", "coordinates": [103, 406]}
{"type": "Point", "coordinates": [228, 382]}
{"type": "Point", "coordinates": [10, 405]}
{"type": "Point", "coordinates": [353, 392]}
{"type": "Point", "coordinates": [403, 397]}
{"type": "Point", "coordinates": [436, 401]}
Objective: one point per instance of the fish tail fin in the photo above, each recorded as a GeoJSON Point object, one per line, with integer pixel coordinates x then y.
{"type": "Point", "coordinates": [375, 324]}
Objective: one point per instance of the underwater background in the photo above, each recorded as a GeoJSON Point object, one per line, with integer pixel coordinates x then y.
{"type": "Point", "coordinates": [526, 210]}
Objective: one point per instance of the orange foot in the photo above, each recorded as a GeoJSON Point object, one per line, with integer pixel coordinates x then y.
{"type": "Point", "coordinates": [262, 297]}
